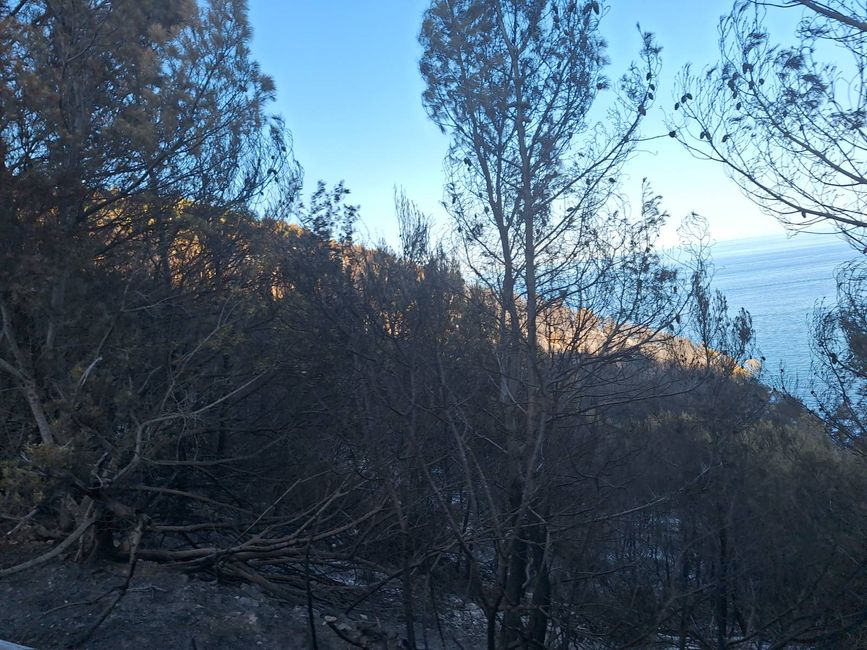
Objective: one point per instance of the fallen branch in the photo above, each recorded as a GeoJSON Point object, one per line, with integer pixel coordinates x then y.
{"type": "Point", "coordinates": [23, 521]}
{"type": "Point", "coordinates": [57, 550]}
{"type": "Point", "coordinates": [124, 588]}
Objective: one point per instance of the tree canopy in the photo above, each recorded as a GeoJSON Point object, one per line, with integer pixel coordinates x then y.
{"type": "Point", "coordinates": [544, 422]}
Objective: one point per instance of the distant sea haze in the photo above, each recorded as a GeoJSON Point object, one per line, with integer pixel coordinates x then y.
{"type": "Point", "coordinates": [781, 281]}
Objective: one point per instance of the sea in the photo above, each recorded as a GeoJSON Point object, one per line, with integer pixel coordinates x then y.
{"type": "Point", "coordinates": [781, 281]}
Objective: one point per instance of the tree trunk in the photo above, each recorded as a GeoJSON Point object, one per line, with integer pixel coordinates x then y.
{"type": "Point", "coordinates": [722, 587]}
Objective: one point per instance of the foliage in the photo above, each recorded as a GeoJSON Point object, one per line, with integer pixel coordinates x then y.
{"type": "Point", "coordinates": [187, 376]}
{"type": "Point", "coordinates": [786, 121]}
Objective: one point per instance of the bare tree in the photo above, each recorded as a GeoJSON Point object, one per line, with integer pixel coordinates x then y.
{"type": "Point", "coordinates": [576, 285]}
{"type": "Point", "coordinates": [787, 122]}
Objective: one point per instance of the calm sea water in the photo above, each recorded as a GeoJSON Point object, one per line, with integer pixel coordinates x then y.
{"type": "Point", "coordinates": [781, 281]}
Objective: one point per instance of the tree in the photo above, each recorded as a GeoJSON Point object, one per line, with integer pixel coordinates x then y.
{"type": "Point", "coordinates": [840, 343]}
{"type": "Point", "coordinates": [135, 142]}
{"type": "Point", "coordinates": [110, 101]}
{"type": "Point", "coordinates": [787, 122]}
{"type": "Point", "coordinates": [532, 186]}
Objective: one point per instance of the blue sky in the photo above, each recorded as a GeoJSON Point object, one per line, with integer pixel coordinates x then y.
{"type": "Point", "coordinates": [349, 88]}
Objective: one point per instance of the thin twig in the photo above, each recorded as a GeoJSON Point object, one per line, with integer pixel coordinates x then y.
{"type": "Point", "coordinates": [93, 601]}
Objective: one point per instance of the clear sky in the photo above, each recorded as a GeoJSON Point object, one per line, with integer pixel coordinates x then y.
{"type": "Point", "coordinates": [349, 88]}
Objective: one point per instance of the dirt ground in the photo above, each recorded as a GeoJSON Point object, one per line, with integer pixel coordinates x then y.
{"type": "Point", "coordinates": [54, 606]}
